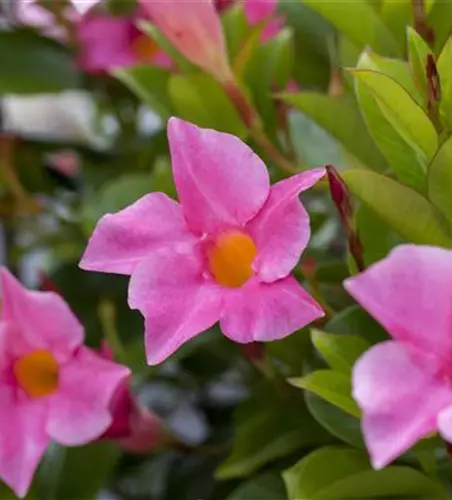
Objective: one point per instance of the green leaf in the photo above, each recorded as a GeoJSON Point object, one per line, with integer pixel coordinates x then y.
{"type": "Point", "coordinates": [349, 130]}
{"type": "Point", "coordinates": [113, 196]}
{"type": "Point", "coordinates": [331, 385]}
{"type": "Point", "coordinates": [439, 21]}
{"type": "Point", "coordinates": [397, 16]}
{"type": "Point", "coordinates": [376, 236]}
{"type": "Point", "coordinates": [359, 22]}
{"type": "Point", "coordinates": [75, 473]}
{"type": "Point", "coordinates": [440, 179]}
{"type": "Point", "coordinates": [268, 486]}
{"type": "Point", "coordinates": [398, 125]}
{"type": "Point", "coordinates": [270, 425]}
{"type": "Point", "coordinates": [339, 351]}
{"type": "Point", "coordinates": [444, 67]}
{"type": "Point", "coordinates": [200, 99]}
{"type": "Point", "coordinates": [406, 211]}
{"type": "Point", "coordinates": [337, 422]}
{"type": "Point", "coordinates": [418, 52]}
{"type": "Point", "coordinates": [150, 84]}
{"type": "Point", "coordinates": [342, 473]}
{"type": "Point", "coordinates": [31, 64]}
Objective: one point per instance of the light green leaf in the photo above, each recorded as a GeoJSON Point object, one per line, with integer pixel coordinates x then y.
{"type": "Point", "coordinates": [444, 67]}
{"type": "Point", "coordinates": [418, 52]}
{"type": "Point", "coordinates": [349, 130]}
{"type": "Point", "coordinates": [150, 84]}
{"type": "Point", "coordinates": [440, 179]}
{"type": "Point", "coordinates": [200, 99]}
{"type": "Point", "coordinates": [270, 425]}
{"type": "Point", "coordinates": [334, 386]}
{"type": "Point", "coordinates": [439, 21]}
{"type": "Point", "coordinates": [31, 64]}
{"type": "Point", "coordinates": [406, 211]}
{"type": "Point", "coordinates": [398, 125]}
{"type": "Point", "coordinates": [341, 473]}
{"type": "Point", "coordinates": [359, 22]}
{"type": "Point", "coordinates": [397, 15]}
{"type": "Point", "coordinates": [268, 486]}
{"type": "Point", "coordinates": [339, 351]}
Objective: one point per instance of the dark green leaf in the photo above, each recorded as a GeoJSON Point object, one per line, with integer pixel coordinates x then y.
{"type": "Point", "coordinates": [269, 486]}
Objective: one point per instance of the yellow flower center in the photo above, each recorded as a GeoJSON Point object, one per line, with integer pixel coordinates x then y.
{"type": "Point", "coordinates": [231, 257]}
{"type": "Point", "coordinates": [144, 47]}
{"type": "Point", "coordinates": [37, 373]}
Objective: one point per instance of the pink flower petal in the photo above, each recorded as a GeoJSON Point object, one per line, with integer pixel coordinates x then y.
{"type": "Point", "coordinates": [259, 10]}
{"type": "Point", "coordinates": [80, 410]}
{"type": "Point", "coordinates": [176, 301]}
{"type": "Point", "coordinates": [23, 439]}
{"type": "Point", "coordinates": [281, 229]}
{"type": "Point", "coordinates": [410, 294]}
{"type": "Point", "coordinates": [105, 42]}
{"type": "Point", "coordinates": [444, 423]}
{"type": "Point", "coordinates": [220, 181]}
{"type": "Point", "coordinates": [262, 312]}
{"type": "Point", "coordinates": [122, 239]}
{"type": "Point", "coordinates": [272, 29]}
{"type": "Point", "coordinates": [400, 400]}
{"type": "Point", "coordinates": [43, 318]}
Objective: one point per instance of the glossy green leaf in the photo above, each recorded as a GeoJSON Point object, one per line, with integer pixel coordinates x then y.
{"type": "Point", "coordinates": [198, 98]}
{"type": "Point", "coordinates": [31, 64]}
{"type": "Point", "coordinates": [398, 125]}
{"type": "Point", "coordinates": [270, 425]}
{"type": "Point", "coordinates": [268, 486]}
{"type": "Point", "coordinates": [376, 236]}
{"type": "Point", "coordinates": [440, 180]}
{"type": "Point", "coordinates": [406, 211]}
{"type": "Point", "coordinates": [75, 473]}
{"type": "Point", "coordinates": [339, 351]}
{"type": "Point", "coordinates": [337, 422]}
{"type": "Point", "coordinates": [349, 130]}
{"type": "Point", "coordinates": [334, 386]}
{"type": "Point", "coordinates": [418, 52]}
{"type": "Point", "coordinates": [359, 22]}
{"type": "Point", "coordinates": [342, 473]}
{"type": "Point", "coordinates": [150, 84]}
{"type": "Point", "coordinates": [444, 67]}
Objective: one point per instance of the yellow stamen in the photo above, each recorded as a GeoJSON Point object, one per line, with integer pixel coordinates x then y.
{"type": "Point", "coordinates": [231, 257]}
{"type": "Point", "coordinates": [37, 373]}
{"type": "Point", "coordinates": [144, 47]}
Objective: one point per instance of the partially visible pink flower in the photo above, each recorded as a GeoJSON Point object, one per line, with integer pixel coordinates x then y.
{"type": "Point", "coordinates": [135, 428]}
{"type": "Point", "coordinates": [35, 16]}
{"type": "Point", "coordinates": [264, 11]}
{"type": "Point", "coordinates": [194, 28]}
{"type": "Point", "coordinates": [404, 386]}
{"type": "Point", "coordinates": [225, 253]}
{"type": "Point", "coordinates": [52, 388]}
{"type": "Point", "coordinates": [109, 42]}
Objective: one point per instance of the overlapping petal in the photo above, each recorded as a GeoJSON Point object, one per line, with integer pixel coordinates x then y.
{"type": "Point", "coordinates": [262, 312]}
{"type": "Point", "coordinates": [121, 240]}
{"type": "Point", "coordinates": [23, 439]}
{"type": "Point", "coordinates": [281, 229]}
{"type": "Point", "coordinates": [399, 398]}
{"type": "Point", "coordinates": [175, 299]}
{"type": "Point", "coordinates": [410, 294]}
{"type": "Point", "coordinates": [43, 319]}
{"type": "Point", "coordinates": [220, 181]}
{"type": "Point", "coordinates": [80, 410]}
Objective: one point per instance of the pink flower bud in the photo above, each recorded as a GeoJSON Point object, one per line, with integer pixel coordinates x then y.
{"type": "Point", "coordinates": [194, 28]}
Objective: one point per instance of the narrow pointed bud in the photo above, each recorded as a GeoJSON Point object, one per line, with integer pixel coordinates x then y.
{"type": "Point", "coordinates": [194, 28]}
{"type": "Point", "coordinates": [433, 91]}
{"type": "Point", "coordinates": [341, 197]}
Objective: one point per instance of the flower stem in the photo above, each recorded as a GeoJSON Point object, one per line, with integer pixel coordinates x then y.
{"type": "Point", "coordinates": [107, 316]}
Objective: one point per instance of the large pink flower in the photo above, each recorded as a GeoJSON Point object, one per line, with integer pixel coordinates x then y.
{"type": "Point", "coordinates": [404, 386]}
{"type": "Point", "coordinates": [108, 42]}
{"type": "Point", "coordinates": [51, 387]}
{"type": "Point", "coordinates": [224, 253]}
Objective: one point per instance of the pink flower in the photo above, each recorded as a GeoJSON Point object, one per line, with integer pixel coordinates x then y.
{"type": "Point", "coordinates": [264, 11]}
{"type": "Point", "coordinates": [404, 386]}
{"type": "Point", "coordinates": [224, 253]}
{"type": "Point", "coordinates": [51, 387]}
{"type": "Point", "coordinates": [109, 42]}
{"type": "Point", "coordinates": [194, 28]}
{"type": "Point", "coordinates": [34, 15]}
